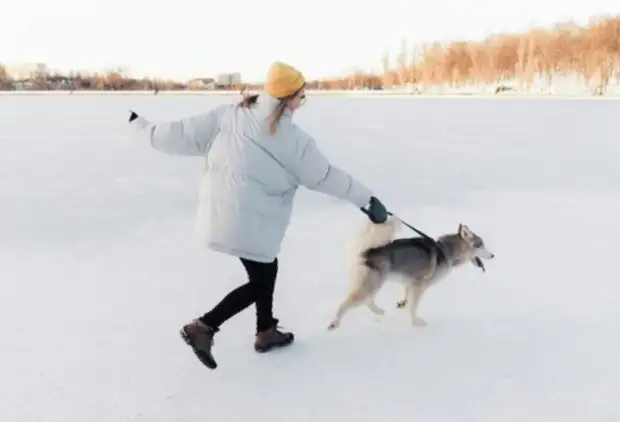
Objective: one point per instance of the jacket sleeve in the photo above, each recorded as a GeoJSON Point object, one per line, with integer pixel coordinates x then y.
{"type": "Point", "coordinates": [315, 172]}
{"type": "Point", "coordinates": [191, 136]}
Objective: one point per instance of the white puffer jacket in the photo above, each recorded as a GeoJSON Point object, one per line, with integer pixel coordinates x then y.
{"type": "Point", "coordinates": [251, 177]}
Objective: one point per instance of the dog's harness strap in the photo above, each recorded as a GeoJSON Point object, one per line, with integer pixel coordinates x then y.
{"type": "Point", "coordinates": [440, 251]}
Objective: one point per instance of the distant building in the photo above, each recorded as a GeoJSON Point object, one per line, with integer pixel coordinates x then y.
{"type": "Point", "coordinates": [228, 79]}
{"type": "Point", "coordinates": [201, 84]}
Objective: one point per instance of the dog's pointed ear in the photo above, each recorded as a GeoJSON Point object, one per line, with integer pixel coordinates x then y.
{"type": "Point", "coordinates": [464, 231]}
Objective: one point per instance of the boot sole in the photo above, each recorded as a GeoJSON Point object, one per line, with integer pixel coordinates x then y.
{"type": "Point", "coordinates": [265, 349]}
{"type": "Point", "coordinates": [209, 363]}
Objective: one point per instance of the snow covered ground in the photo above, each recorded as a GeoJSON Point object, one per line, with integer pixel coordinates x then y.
{"type": "Point", "coordinates": [99, 269]}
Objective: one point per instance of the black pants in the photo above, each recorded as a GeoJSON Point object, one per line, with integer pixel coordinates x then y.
{"type": "Point", "coordinates": [258, 290]}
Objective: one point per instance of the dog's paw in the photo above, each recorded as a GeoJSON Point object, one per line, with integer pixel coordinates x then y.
{"type": "Point", "coordinates": [332, 326]}
{"type": "Point", "coordinates": [401, 304]}
{"type": "Point", "coordinates": [418, 322]}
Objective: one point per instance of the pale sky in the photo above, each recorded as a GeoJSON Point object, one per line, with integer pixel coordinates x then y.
{"type": "Point", "coordinates": [188, 38]}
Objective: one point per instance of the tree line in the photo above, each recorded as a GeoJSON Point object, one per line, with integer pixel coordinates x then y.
{"type": "Point", "coordinates": [590, 53]}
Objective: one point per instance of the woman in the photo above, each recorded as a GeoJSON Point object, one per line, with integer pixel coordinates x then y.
{"type": "Point", "coordinates": [256, 158]}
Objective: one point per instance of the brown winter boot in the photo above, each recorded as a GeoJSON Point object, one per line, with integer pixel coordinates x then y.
{"type": "Point", "coordinates": [270, 338]}
{"type": "Point", "coordinates": [199, 336]}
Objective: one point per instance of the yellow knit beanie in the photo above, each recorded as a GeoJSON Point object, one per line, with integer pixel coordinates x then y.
{"type": "Point", "coordinates": [283, 80]}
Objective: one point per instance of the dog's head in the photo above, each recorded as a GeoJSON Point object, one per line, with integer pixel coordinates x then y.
{"type": "Point", "coordinates": [476, 249]}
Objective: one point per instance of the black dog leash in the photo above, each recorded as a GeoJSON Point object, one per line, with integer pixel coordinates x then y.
{"type": "Point", "coordinates": [420, 232]}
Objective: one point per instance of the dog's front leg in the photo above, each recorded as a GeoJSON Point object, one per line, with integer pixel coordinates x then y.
{"type": "Point", "coordinates": [414, 295]}
{"type": "Point", "coordinates": [402, 303]}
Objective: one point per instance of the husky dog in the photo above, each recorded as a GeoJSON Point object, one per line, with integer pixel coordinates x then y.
{"type": "Point", "coordinates": [419, 262]}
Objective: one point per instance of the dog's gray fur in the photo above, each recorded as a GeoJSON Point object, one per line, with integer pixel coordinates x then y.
{"type": "Point", "coordinates": [418, 262]}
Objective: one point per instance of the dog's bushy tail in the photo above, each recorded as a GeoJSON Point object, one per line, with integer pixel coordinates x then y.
{"type": "Point", "coordinates": [369, 236]}
{"type": "Point", "coordinates": [372, 235]}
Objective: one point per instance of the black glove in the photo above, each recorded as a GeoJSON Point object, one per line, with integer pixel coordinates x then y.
{"type": "Point", "coordinates": [133, 116]}
{"type": "Point", "coordinates": [376, 211]}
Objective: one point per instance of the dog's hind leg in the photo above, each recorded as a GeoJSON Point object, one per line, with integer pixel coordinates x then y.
{"type": "Point", "coordinates": [362, 292]}
{"type": "Point", "coordinates": [351, 301]}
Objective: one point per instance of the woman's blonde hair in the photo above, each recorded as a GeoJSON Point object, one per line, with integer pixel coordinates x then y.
{"type": "Point", "coordinates": [250, 100]}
